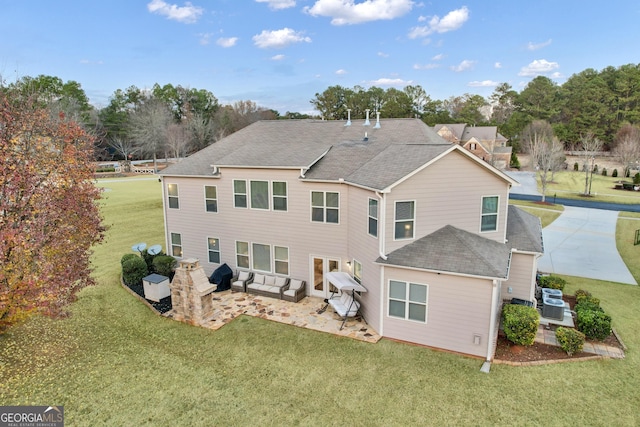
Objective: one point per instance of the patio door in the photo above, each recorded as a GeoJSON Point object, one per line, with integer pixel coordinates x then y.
{"type": "Point", "coordinates": [320, 266]}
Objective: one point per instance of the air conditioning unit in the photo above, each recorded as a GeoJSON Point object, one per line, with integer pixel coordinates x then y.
{"type": "Point", "coordinates": [552, 308]}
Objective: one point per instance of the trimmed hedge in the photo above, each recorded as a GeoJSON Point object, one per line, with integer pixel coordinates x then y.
{"type": "Point", "coordinates": [520, 323]}
{"type": "Point", "coordinates": [570, 340]}
{"type": "Point", "coordinates": [134, 270]}
{"type": "Point", "coordinates": [164, 264]}
{"type": "Point", "coordinates": [126, 257]}
{"type": "Point", "coordinates": [595, 324]}
{"type": "Point", "coordinates": [552, 282]}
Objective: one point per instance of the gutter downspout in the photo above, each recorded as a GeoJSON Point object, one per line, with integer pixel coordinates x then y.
{"type": "Point", "coordinates": [164, 214]}
{"type": "Point", "coordinates": [383, 228]}
{"type": "Point", "coordinates": [486, 366]}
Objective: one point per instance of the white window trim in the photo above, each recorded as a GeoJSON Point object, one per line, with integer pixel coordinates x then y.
{"type": "Point", "coordinates": [357, 279]}
{"type": "Point", "coordinates": [497, 214]}
{"type": "Point", "coordinates": [209, 250]}
{"type": "Point", "coordinates": [285, 197]}
{"type": "Point", "coordinates": [324, 207]}
{"type": "Point", "coordinates": [369, 217]}
{"type": "Point", "coordinates": [204, 189]}
{"type": "Point", "coordinates": [250, 195]}
{"type": "Point", "coordinates": [181, 246]}
{"type": "Point", "coordinates": [288, 261]}
{"type": "Point", "coordinates": [406, 301]}
{"type": "Point", "coordinates": [169, 197]}
{"type": "Point", "coordinates": [248, 255]}
{"type": "Point", "coordinates": [246, 194]}
{"type": "Point", "coordinates": [395, 220]}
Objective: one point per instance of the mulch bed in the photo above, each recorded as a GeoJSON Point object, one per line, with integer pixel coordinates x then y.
{"type": "Point", "coordinates": [161, 307]}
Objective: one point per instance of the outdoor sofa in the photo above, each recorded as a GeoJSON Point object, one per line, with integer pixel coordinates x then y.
{"type": "Point", "coordinates": [278, 287]}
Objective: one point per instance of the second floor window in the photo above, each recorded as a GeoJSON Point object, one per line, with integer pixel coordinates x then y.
{"type": "Point", "coordinates": [404, 220]}
{"type": "Point", "coordinates": [279, 195]}
{"type": "Point", "coordinates": [373, 217]}
{"type": "Point", "coordinates": [489, 220]}
{"type": "Point", "coordinates": [325, 206]}
{"type": "Point", "coordinates": [210, 198]}
{"type": "Point", "coordinates": [239, 193]}
{"type": "Point", "coordinates": [259, 195]}
{"type": "Point", "coordinates": [172, 196]}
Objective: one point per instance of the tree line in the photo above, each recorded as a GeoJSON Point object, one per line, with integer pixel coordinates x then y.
{"type": "Point", "coordinates": [175, 121]}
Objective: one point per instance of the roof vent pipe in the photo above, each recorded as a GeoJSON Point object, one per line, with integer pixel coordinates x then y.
{"type": "Point", "coordinates": [366, 122]}
{"type": "Point", "coordinates": [377, 126]}
{"type": "Point", "coordinates": [348, 117]}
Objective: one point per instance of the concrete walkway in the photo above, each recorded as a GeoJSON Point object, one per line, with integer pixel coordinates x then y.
{"type": "Point", "coordinates": [582, 243]}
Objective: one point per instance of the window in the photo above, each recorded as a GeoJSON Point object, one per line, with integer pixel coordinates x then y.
{"type": "Point", "coordinates": [281, 259]}
{"type": "Point", "coordinates": [408, 301]}
{"type": "Point", "coordinates": [357, 271]}
{"type": "Point", "coordinates": [172, 195]}
{"type": "Point", "coordinates": [489, 220]}
{"type": "Point", "coordinates": [210, 198]}
{"type": "Point", "coordinates": [242, 254]}
{"type": "Point", "coordinates": [373, 217]}
{"type": "Point", "coordinates": [239, 193]}
{"type": "Point", "coordinates": [214, 249]}
{"type": "Point", "coordinates": [259, 195]}
{"type": "Point", "coordinates": [279, 196]}
{"type": "Point", "coordinates": [325, 206]}
{"type": "Point", "coordinates": [176, 245]}
{"type": "Point", "coordinates": [261, 257]}
{"type": "Point", "coordinates": [404, 220]}
{"type": "Point", "coordinates": [472, 146]}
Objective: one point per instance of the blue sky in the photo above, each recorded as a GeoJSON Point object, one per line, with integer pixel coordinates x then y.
{"type": "Point", "coordinates": [280, 53]}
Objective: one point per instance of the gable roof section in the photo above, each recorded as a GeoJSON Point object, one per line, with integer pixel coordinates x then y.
{"type": "Point", "coordinates": [456, 251]}
{"type": "Point", "coordinates": [481, 133]}
{"type": "Point", "coordinates": [456, 129]}
{"type": "Point", "coordinates": [524, 231]}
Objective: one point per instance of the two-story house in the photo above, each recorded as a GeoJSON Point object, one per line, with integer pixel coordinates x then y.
{"type": "Point", "coordinates": [483, 141]}
{"type": "Point", "coordinates": [422, 224]}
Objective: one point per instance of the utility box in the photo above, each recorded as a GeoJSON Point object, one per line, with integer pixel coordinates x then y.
{"type": "Point", "coordinates": [156, 287]}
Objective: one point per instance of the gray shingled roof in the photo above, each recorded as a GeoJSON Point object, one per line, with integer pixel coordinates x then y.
{"type": "Point", "coordinates": [451, 249]}
{"type": "Point", "coordinates": [524, 231]}
{"type": "Point", "coordinates": [456, 128]}
{"type": "Point", "coordinates": [397, 148]}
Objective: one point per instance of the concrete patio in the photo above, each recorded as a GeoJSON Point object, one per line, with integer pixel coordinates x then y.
{"type": "Point", "coordinates": [230, 304]}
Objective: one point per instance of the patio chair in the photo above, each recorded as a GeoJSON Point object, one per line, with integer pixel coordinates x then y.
{"type": "Point", "coordinates": [295, 291]}
{"type": "Point", "coordinates": [240, 283]}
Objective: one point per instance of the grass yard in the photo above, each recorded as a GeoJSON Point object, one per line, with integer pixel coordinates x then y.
{"type": "Point", "coordinates": [546, 213]}
{"type": "Point", "coordinates": [114, 362]}
{"type": "Point", "coordinates": [570, 184]}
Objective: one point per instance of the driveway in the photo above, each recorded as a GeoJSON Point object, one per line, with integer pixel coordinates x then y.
{"type": "Point", "coordinates": [528, 184]}
{"type": "Point", "coordinates": [582, 243]}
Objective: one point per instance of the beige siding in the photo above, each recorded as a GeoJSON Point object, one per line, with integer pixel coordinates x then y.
{"type": "Point", "coordinates": [458, 308]}
{"type": "Point", "coordinates": [449, 192]}
{"type": "Point", "coordinates": [293, 229]}
{"type": "Point", "coordinates": [521, 281]}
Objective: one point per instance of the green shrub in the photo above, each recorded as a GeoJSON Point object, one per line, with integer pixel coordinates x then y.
{"type": "Point", "coordinates": [595, 168]}
{"type": "Point", "coordinates": [164, 264]}
{"type": "Point", "coordinates": [596, 325]}
{"type": "Point", "coordinates": [552, 282]}
{"type": "Point", "coordinates": [604, 171]}
{"type": "Point", "coordinates": [576, 166]}
{"type": "Point", "coordinates": [133, 270]}
{"type": "Point", "coordinates": [570, 340]}
{"type": "Point", "coordinates": [581, 295]}
{"type": "Point", "coordinates": [588, 304]}
{"type": "Point", "coordinates": [148, 258]}
{"type": "Point", "coordinates": [126, 257]}
{"type": "Point", "coordinates": [514, 162]}
{"type": "Point", "coordinates": [614, 173]}
{"type": "Point", "coordinates": [520, 323]}
{"type": "Point", "coordinates": [636, 178]}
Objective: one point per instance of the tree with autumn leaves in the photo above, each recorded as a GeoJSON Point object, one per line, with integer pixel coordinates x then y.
{"type": "Point", "coordinates": [49, 213]}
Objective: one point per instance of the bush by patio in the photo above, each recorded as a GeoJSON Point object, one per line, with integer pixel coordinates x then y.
{"type": "Point", "coordinates": [595, 324]}
{"type": "Point", "coordinates": [570, 340]}
{"type": "Point", "coordinates": [552, 282]}
{"type": "Point", "coordinates": [134, 270]}
{"type": "Point", "coordinates": [164, 265]}
{"type": "Point", "coordinates": [520, 323]}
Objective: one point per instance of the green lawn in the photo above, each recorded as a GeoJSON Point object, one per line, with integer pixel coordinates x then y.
{"type": "Point", "coordinates": [570, 184]}
{"type": "Point", "coordinates": [546, 213]}
{"type": "Point", "coordinates": [114, 362]}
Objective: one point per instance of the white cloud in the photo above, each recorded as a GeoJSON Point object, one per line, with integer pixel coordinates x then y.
{"type": "Point", "coordinates": [383, 55]}
{"type": "Point", "coordinates": [89, 62]}
{"type": "Point", "coordinates": [497, 65]}
{"type": "Point", "coordinates": [425, 66]}
{"type": "Point", "coordinates": [538, 67]}
{"type": "Point", "coordinates": [187, 14]}
{"type": "Point", "coordinates": [279, 38]}
{"type": "Point", "coordinates": [341, 72]}
{"type": "Point", "coordinates": [463, 66]}
{"type": "Point", "coordinates": [536, 46]}
{"type": "Point", "coordinates": [279, 57]}
{"type": "Point", "coordinates": [227, 41]}
{"type": "Point", "coordinates": [484, 83]}
{"type": "Point", "coordinates": [451, 22]}
{"type": "Point", "coordinates": [390, 82]}
{"type": "Point", "coordinates": [278, 4]}
{"type": "Point", "coordinates": [438, 57]}
{"type": "Point", "coordinates": [346, 12]}
{"type": "Point", "coordinates": [205, 38]}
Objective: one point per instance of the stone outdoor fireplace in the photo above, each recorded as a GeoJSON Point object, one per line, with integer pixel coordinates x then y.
{"type": "Point", "coordinates": [191, 293]}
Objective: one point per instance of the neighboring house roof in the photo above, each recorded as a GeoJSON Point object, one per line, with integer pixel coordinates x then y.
{"type": "Point", "coordinates": [453, 250]}
{"type": "Point", "coordinates": [325, 150]}
{"type": "Point", "coordinates": [524, 231]}
{"type": "Point", "coordinates": [502, 150]}
{"type": "Point", "coordinates": [456, 129]}
{"type": "Point", "coordinates": [481, 133]}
